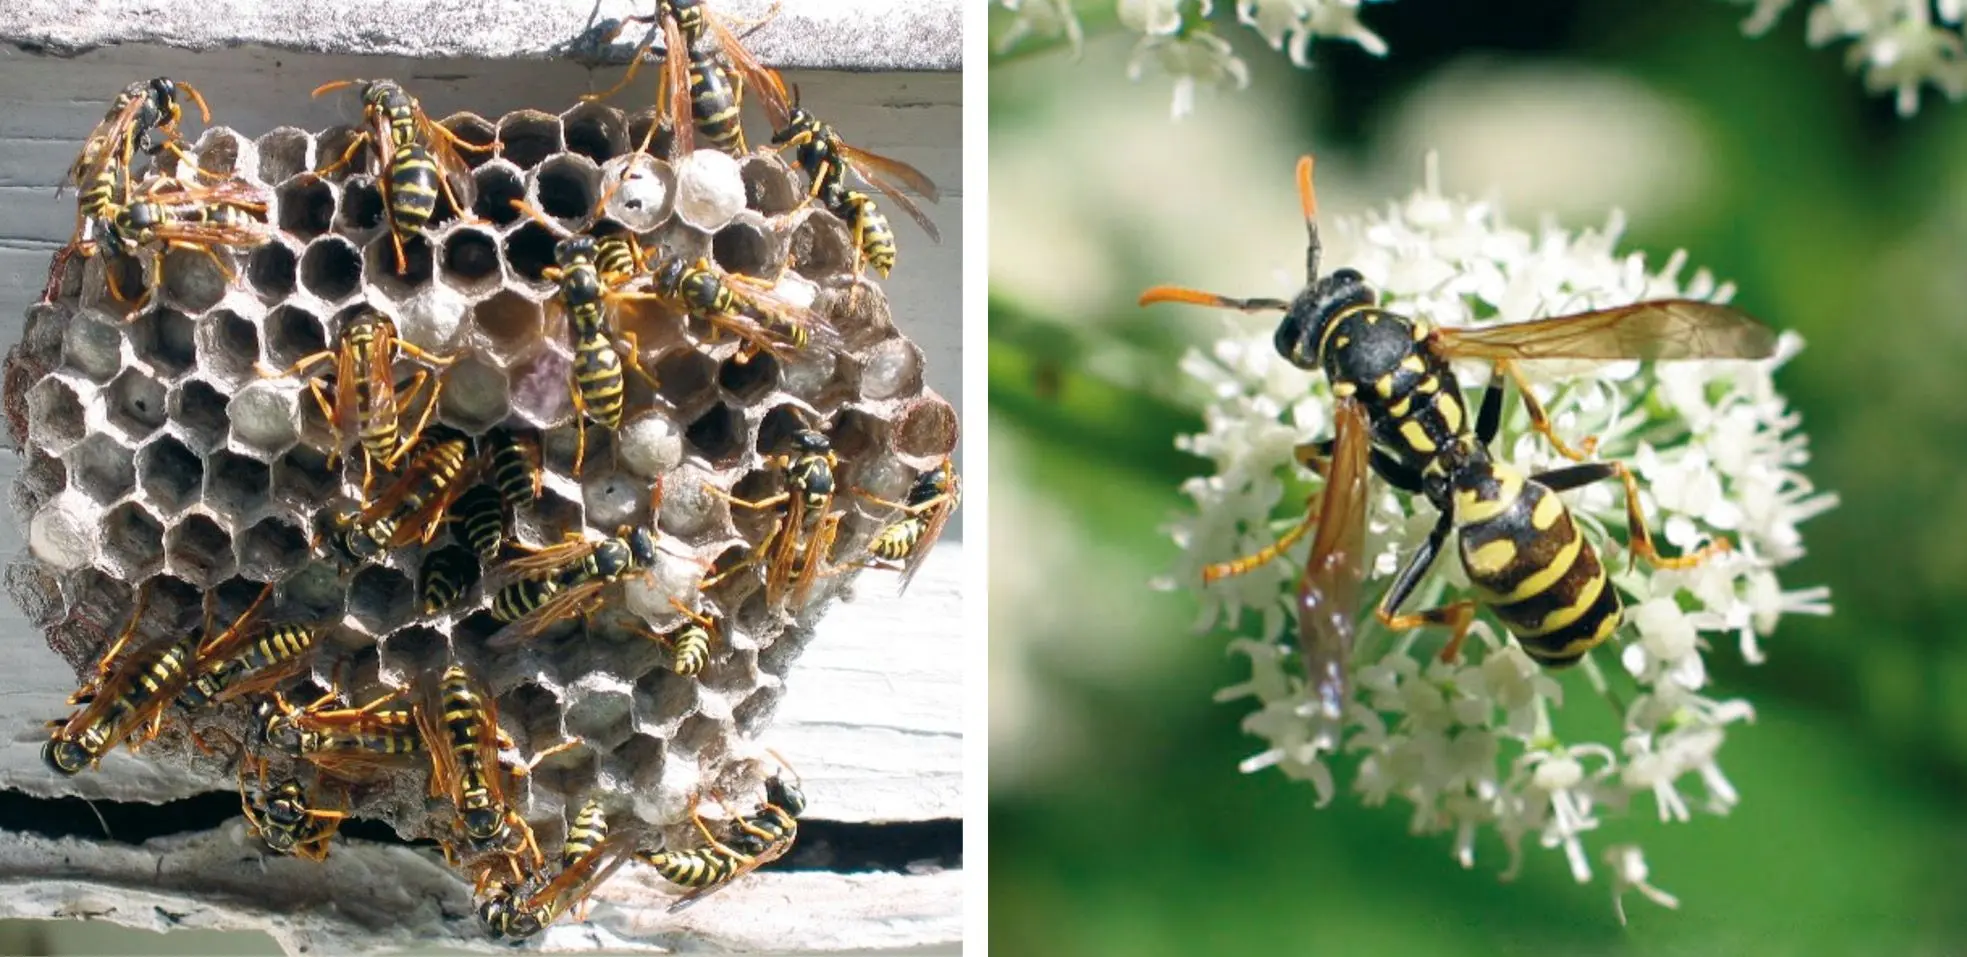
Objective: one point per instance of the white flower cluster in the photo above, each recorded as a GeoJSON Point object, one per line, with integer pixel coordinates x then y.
{"type": "Point", "coordinates": [1176, 39]}
{"type": "Point", "coordinates": [1480, 741]}
{"type": "Point", "coordinates": [1899, 45]}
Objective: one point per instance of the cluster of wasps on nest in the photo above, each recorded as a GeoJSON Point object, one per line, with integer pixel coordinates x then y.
{"type": "Point", "coordinates": [421, 480]}
{"type": "Point", "coordinates": [1399, 413]}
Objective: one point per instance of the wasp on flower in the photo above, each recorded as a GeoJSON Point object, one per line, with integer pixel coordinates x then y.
{"type": "Point", "coordinates": [1467, 734]}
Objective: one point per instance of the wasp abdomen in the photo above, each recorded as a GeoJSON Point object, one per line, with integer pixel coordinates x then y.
{"type": "Point", "coordinates": [1525, 556]}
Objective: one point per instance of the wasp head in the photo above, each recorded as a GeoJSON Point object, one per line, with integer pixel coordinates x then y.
{"type": "Point", "coordinates": [810, 441]}
{"type": "Point", "coordinates": [65, 756]}
{"type": "Point", "coordinates": [163, 98]}
{"type": "Point", "coordinates": [800, 124]}
{"type": "Point", "coordinates": [642, 546]}
{"type": "Point", "coordinates": [484, 824]}
{"type": "Point", "coordinates": [574, 250]}
{"type": "Point", "coordinates": [1303, 327]}
{"type": "Point", "coordinates": [502, 919]}
{"type": "Point", "coordinates": [785, 795]}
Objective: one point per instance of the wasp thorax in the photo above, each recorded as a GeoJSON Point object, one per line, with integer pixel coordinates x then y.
{"type": "Point", "coordinates": [786, 795]}
{"type": "Point", "coordinates": [1300, 333]}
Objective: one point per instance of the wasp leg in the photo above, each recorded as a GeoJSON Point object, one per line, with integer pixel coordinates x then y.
{"type": "Point", "coordinates": [580, 425]}
{"type": "Point", "coordinates": [361, 140]}
{"type": "Point", "coordinates": [1540, 419]}
{"type": "Point", "coordinates": [758, 506]}
{"type": "Point", "coordinates": [631, 349]}
{"type": "Point", "coordinates": [634, 63]}
{"type": "Point", "coordinates": [1561, 480]}
{"type": "Point", "coordinates": [1457, 616]}
{"type": "Point", "coordinates": [704, 829]}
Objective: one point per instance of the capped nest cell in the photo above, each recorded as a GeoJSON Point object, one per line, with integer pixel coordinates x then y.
{"type": "Point", "coordinates": [161, 460]}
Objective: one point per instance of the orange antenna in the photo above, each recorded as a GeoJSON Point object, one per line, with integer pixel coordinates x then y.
{"type": "Point", "coordinates": [1308, 198]}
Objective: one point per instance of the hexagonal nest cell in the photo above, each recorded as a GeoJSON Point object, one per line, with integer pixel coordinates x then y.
{"type": "Point", "coordinates": [130, 436]}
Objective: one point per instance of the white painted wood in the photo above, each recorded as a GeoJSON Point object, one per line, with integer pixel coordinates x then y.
{"type": "Point", "coordinates": [820, 34]}
{"type": "Point", "coordinates": [873, 709]}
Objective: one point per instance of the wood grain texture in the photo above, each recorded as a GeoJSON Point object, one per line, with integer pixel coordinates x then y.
{"type": "Point", "coordinates": [872, 715]}
{"type": "Point", "coordinates": [870, 35]}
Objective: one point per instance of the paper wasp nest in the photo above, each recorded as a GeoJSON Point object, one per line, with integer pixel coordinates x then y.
{"type": "Point", "coordinates": [156, 457]}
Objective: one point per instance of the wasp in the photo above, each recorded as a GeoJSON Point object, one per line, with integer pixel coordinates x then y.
{"type": "Point", "coordinates": [689, 643]}
{"type": "Point", "coordinates": [478, 520]}
{"type": "Point", "coordinates": [730, 301]}
{"type": "Point", "coordinates": [128, 690]}
{"type": "Point", "coordinates": [412, 508]}
{"type": "Point", "coordinates": [422, 159]}
{"type": "Point", "coordinates": [590, 856]}
{"type": "Point", "coordinates": [907, 540]}
{"type": "Point", "coordinates": [1399, 413]}
{"type": "Point", "coordinates": [366, 398]}
{"type": "Point", "coordinates": [460, 727]}
{"type": "Point", "coordinates": [754, 841]}
{"type": "Point", "coordinates": [287, 817]}
{"type": "Point", "coordinates": [591, 300]}
{"type": "Point", "coordinates": [826, 158]}
{"type": "Point", "coordinates": [447, 574]}
{"type": "Point", "coordinates": [515, 465]}
{"type": "Point", "coordinates": [561, 581]}
{"type": "Point", "coordinates": [797, 546]}
{"type": "Point", "coordinates": [165, 214]}
{"type": "Point", "coordinates": [228, 665]}
{"type": "Point", "coordinates": [347, 743]}
{"type": "Point", "coordinates": [698, 94]}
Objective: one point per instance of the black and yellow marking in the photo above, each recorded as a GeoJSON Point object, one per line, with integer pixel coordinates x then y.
{"type": "Point", "coordinates": [515, 470]}
{"type": "Point", "coordinates": [278, 646]}
{"type": "Point", "coordinates": [585, 832]}
{"type": "Point", "coordinates": [1528, 561]}
{"type": "Point", "coordinates": [447, 574]}
{"type": "Point", "coordinates": [467, 727]}
{"type": "Point", "coordinates": [478, 520]}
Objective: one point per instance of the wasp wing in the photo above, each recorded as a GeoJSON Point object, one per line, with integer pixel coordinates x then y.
{"type": "Point", "coordinates": [884, 173]}
{"type": "Point", "coordinates": [582, 877]}
{"type": "Point", "coordinates": [817, 552]}
{"type": "Point", "coordinates": [215, 234]}
{"type": "Point", "coordinates": [566, 603]}
{"type": "Point", "coordinates": [676, 87]}
{"type": "Point", "coordinates": [1328, 595]}
{"type": "Point", "coordinates": [106, 140]}
{"type": "Point", "coordinates": [1654, 329]}
{"type": "Point", "coordinates": [763, 81]}
{"type": "Point", "coordinates": [938, 518]}
{"type": "Point", "coordinates": [907, 206]}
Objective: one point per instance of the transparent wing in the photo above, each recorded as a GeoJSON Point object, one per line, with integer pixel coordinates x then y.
{"type": "Point", "coordinates": [938, 519]}
{"type": "Point", "coordinates": [874, 168]}
{"type": "Point", "coordinates": [1328, 594]}
{"type": "Point", "coordinates": [1655, 329]}
{"type": "Point", "coordinates": [103, 142]}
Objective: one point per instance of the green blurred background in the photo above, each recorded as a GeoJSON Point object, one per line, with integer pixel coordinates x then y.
{"type": "Point", "coordinates": [1119, 823]}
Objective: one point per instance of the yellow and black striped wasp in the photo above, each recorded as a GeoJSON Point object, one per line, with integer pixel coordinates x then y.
{"type": "Point", "coordinates": [594, 303]}
{"type": "Point", "coordinates": [421, 159]}
{"type": "Point", "coordinates": [739, 304]}
{"type": "Point", "coordinates": [135, 680]}
{"type": "Point", "coordinates": [351, 744]}
{"type": "Point", "coordinates": [366, 399]}
{"type": "Point", "coordinates": [165, 214]}
{"type": "Point", "coordinates": [412, 508]}
{"type": "Point", "coordinates": [754, 841]}
{"type": "Point", "coordinates": [906, 542]}
{"type": "Point", "coordinates": [590, 856]}
{"type": "Point", "coordinates": [243, 659]}
{"type": "Point", "coordinates": [796, 550]}
{"type": "Point", "coordinates": [287, 816]}
{"type": "Point", "coordinates": [1399, 412]}
{"type": "Point", "coordinates": [144, 116]}
{"type": "Point", "coordinates": [819, 150]}
{"type": "Point", "coordinates": [460, 727]}
{"type": "Point", "coordinates": [698, 94]}
{"type": "Point", "coordinates": [515, 465]}
{"type": "Point", "coordinates": [558, 582]}
{"type": "Point", "coordinates": [688, 643]}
